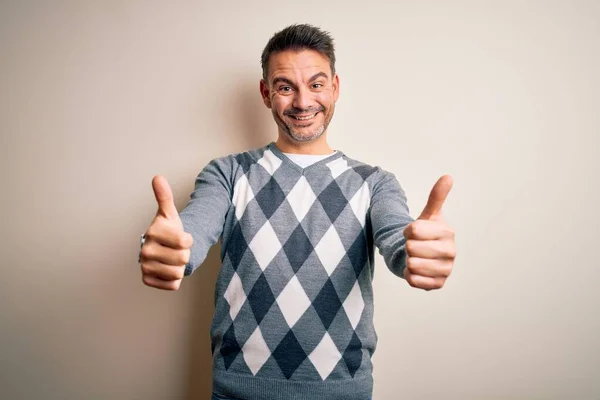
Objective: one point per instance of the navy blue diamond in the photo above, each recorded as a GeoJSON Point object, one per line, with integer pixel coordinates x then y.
{"type": "Point", "coordinates": [364, 171]}
{"type": "Point", "coordinates": [298, 248]}
{"type": "Point", "coordinates": [270, 197]}
{"type": "Point", "coordinates": [353, 355]}
{"type": "Point", "coordinates": [357, 253]}
{"type": "Point", "coordinates": [289, 354]}
{"type": "Point", "coordinates": [230, 347]}
{"type": "Point", "coordinates": [327, 303]}
{"type": "Point", "coordinates": [245, 161]}
{"type": "Point", "coordinates": [261, 298]}
{"type": "Point", "coordinates": [333, 200]}
{"type": "Point", "coordinates": [236, 246]}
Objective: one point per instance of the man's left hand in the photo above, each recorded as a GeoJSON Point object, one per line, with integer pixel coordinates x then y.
{"type": "Point", "coordinates": [430, 242]}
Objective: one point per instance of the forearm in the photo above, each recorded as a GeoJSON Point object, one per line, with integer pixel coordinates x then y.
{"type": "Point", "coordinates": [204, 215]}
{"type": "Point", "coordinates": [205, 226]}
{"type": "Point", "coordinates": [389, 216]}
{"type": "Point", "coordinates": [392, 245]}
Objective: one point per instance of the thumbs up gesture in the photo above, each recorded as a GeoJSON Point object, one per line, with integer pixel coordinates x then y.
{"type": "Point", "coordinates": [166, 250]}
{"type": "Point", "coordinates": [430, 244]}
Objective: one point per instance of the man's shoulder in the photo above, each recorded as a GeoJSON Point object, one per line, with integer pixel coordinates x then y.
{"type": "Point", "coordinates": [366, 170]}
{"type": "Point", "coordinates": [243, 159]}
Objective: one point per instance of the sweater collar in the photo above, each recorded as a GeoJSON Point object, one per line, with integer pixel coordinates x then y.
{"type": "Point", "coordinates": [285, 159]}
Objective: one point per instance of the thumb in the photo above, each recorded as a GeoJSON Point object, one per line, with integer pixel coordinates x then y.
{"type": "Point", "coordinates": [164, 198]}
{"type": "Point", "coordinates": [437, 197]}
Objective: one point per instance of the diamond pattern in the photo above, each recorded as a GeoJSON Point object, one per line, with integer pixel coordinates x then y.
{"type": "Point", "coordinates": [256, 352]}
{"type": "Point", "coordinates": [265, 245]}
{"type": "Point", "coordinates": [270, 197]}
{"type": "Point", "coordinates": [289, 354]}
{"type": "Point", "coordinates": [245, 161]}
{"type": "Point", "coordinates": [357, 253]}
{"type": "Point", "coordinates": [353, 355]}
{"type": "Point", "coordinates": [360, 203]}
{"type": "Point", "coordinates": [235, 295]}
{"type": "Point", "coordinates": [311, 275]}
{"type": "Point", "coordinates": [242, 194]}
{"type": "Point", "coordinates": [338, 166]}
{"type": "Point", "coordinates": [261, 298]}
{"type": "Point", "coordinates": [301, 198]}
{"type": "Point", "coordinates": [333, 200]}
{"type": "Point", "coordinates": [237, 246]}
{"type": "Point", "coordinates": [330, 250]}
{"type": "Point", "coordinates": [309, 322]}
{"type": "Point", "coordinates": [298, 248]}
{"type": "Point", "coordinates": [364, 171]}
{"type": "Point", "coordinates": [325, 356]}
{"type": "Point", "coordinates": [327, 303]}
{"type": "Point", "coordinates": [270, 162]}
{"type": "Point", "coordinates": [354, 305]}
{"type": "Point", "coordinates": [293, 301]}
{"type": "Point", "coordinates": [295, 256]}
{"type": "Point", "coordinates": [230, 347]}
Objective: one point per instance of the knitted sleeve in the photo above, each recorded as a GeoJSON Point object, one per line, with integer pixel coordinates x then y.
{"type": "Point", "coordinates": [204, 215]}
{"type": "Point", "coordinates": [389, 216]}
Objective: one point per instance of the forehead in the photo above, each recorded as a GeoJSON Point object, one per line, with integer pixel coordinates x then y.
{"type": "Point", "coordinates": [297, 64]}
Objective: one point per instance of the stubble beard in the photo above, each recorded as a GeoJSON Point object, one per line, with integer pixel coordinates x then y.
{"type": "Point", "coordinates": [317, 133]}
{"type": "Point", "coordinates": [314, 134]}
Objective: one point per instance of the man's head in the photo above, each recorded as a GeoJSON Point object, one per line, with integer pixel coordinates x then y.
{"type": "Point", "coordinates": [299, 82]}
{"type": "Point", "coordinates": [299, 37]}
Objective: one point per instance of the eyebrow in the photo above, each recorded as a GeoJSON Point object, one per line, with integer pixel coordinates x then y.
{"type": "Point", "coordinates": [318, 75]}
{"type": "Point", "coordinates": [284, 80]}
{"type": "Point", "coordinates": [289, 82]}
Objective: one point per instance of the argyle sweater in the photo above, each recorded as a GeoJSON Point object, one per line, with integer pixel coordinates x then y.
{"type": "Point", "coordinates": [294, 298]}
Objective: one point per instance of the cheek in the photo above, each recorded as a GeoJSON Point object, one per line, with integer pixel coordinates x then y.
{"type": "Point", "coordinates": [280, 103]}
{"type": "Point", "coordinates": [325, 99]}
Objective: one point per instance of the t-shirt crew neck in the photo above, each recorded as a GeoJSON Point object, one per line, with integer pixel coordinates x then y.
{"type": "Point", "coordinates": [305, 160]}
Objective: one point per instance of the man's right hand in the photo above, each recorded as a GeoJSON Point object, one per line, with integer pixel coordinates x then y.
{"type": "Point", "coordinates": [166, 250]}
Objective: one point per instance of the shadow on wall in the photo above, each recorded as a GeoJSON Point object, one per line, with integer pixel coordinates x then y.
{"type": "Point", "coordinates": [251, 126]}
{"type": "Point", "coordinates": [202, 283]}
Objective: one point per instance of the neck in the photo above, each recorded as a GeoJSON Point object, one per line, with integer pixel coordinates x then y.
{"type": "Point", "coordinates": [315, 147]}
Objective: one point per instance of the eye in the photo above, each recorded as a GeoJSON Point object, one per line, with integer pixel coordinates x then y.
{"type": "Point", "coordinates": [317, 85]}
{"type": "Point", "coordinates": [284, 89]}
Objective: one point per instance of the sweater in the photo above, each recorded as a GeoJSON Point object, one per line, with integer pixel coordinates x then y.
{"type": "Point", "coordinates": [294, 298]}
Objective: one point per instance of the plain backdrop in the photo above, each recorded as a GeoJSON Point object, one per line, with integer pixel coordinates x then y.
{"type": "Point", "coordinates": [98, 97]}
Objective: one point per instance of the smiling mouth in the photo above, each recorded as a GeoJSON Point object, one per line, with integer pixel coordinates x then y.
{"type": "Point", "coordinates": [303, 118]}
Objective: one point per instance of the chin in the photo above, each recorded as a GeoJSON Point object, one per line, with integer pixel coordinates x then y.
{"type": "Point", "coordinates": [308, 137]}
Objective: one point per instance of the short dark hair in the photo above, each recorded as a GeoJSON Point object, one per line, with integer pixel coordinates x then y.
{"type": "Point", "coordinates": [299, 37]}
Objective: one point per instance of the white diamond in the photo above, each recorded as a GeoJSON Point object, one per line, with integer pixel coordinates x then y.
{"type": "Point", "coordinates": [338, 166]}
{"type": "Point", "coordinates": [235, 295]}
{"type": "Point", "coordinates": [293, 301]}
{"type": "Point", "coordinates": [242, 194]}
{"type": "Point", "coordinates": [270, 162]}
{"type": "Point", "coordinates": [256, 352]}
{"type": "Point", "coordinates": [360, 203]}
{"type": "Point", "coordinates": [265, 245]}
{"type": "Point", "coordinates": [330, 250]}
{"type": "Point", "coordinates": [354, 305]}
{"type": "Point", "coordinates": [325, 356]}
{"type": "Point", "coordinates": [301, 198]}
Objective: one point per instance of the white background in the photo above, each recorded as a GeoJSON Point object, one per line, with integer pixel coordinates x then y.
{"type": "Point", "coordinates": [98, 97]}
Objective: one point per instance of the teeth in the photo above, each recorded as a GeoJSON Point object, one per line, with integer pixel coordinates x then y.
{"type": "Point", "coordinates": [305, 118]}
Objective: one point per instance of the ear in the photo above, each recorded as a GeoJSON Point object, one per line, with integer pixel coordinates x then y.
{"type": "Point", "coordinates": [265, 92]}
{"type": "Point", "coordinates": [336, 87]}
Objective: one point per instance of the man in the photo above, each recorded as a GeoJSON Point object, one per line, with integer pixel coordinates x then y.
{"type": "Point", "coordinates": [299, 222]}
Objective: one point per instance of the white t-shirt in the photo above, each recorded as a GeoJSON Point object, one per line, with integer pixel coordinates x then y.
{"type": "Point", "coordinates": [304, 160]}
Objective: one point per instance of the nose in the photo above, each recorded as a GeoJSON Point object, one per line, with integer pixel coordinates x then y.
{"type": "Point", "coordinates": [302, 99]}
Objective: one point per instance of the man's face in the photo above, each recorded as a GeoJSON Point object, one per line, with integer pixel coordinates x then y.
{"type": "Point", "coordinates": [301, 93]}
